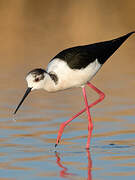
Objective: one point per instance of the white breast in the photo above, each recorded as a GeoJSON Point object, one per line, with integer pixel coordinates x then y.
{"type": "Point", "coordinates": [67, 77]}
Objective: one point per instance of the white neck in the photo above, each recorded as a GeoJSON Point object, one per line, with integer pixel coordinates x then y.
{"type": "Point", "coordinates": [49, 84]}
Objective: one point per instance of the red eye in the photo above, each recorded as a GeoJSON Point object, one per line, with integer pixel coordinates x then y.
{"type": "Point", "coordinates": [37, 79]}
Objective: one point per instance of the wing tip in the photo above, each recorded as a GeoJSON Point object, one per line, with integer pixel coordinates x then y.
{"type": "Point", "coordinates": [130, 33]}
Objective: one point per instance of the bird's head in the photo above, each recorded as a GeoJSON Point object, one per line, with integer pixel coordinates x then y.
{"type": "Point", "coordinates": [35, 80]}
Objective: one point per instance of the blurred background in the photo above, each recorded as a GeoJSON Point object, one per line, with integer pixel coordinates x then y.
{"type": "Point", "coordinates": [31, 33]}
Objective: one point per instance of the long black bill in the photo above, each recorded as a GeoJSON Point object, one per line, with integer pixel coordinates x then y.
{"type": "Point", "coordinates": [25, 95]}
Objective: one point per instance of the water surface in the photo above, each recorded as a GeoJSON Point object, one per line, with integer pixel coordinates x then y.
{"type": "Point", "coordinates": [31, 33]}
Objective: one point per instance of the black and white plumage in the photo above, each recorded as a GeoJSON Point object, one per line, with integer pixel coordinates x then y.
{"type": "Point", "coordinates": [75, 66]}
{"type": "Point", "coordinates": [81, 56]}
{"type": "Point", "coordinates": [72, 67]}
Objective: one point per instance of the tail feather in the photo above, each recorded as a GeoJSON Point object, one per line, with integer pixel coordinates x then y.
{"type": "Point", "coordinates": [107, 48]}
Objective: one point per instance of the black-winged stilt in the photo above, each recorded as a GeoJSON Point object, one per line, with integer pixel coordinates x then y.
{"type": "Point", "coordinates": [74, 67]}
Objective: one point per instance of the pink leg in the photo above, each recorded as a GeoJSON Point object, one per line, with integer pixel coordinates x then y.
{"type": "Point", "coordinates": [102, 96]}
{"type": "Point", "coordinates": [90, 125]}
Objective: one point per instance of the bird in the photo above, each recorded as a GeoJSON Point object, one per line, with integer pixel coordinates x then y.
{"type": "Point", "coordinates": [74, 68]}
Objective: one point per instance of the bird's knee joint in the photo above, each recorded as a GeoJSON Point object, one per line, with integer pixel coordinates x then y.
{"type": "Point", "coordinates": [90, 127]}
{"type": "Point", "coordinates": [62, 126]}
{"type": "Point", "coordinates": [102, 96]}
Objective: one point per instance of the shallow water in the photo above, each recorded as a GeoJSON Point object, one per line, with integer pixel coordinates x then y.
{"type": "Point", "coordinates": [31, 33]}
{"type": "Point", "coordinates": [27, 139]}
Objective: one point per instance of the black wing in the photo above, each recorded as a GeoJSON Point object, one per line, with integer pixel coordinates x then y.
{"type": "Point", "coordinates": [81, 56]}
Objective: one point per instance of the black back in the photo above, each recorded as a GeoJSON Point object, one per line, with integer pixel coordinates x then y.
{"type": "Point", "coordinates": [80, 56]}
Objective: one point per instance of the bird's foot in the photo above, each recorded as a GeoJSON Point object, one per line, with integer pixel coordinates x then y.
{"type": "Point", "coordinates": [60, 133]}
{"type": "Point", "coordinates": [57, 143]}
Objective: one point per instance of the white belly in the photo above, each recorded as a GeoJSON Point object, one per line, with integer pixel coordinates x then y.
{"type": "Point", "coordinates": [67, 77]}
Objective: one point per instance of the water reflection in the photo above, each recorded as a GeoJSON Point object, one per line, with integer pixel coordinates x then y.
{"type": "Point", "coordinates": [89, 165]}
{"type": "Point", "coordinates": [64, 172]}
{"type": "Point", "coordinates": [32, 32]}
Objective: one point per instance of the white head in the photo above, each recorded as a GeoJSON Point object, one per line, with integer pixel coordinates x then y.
{"type": "Point", "coordinates": [35, 80]}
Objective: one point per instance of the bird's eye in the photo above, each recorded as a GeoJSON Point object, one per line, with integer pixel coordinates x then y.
{"type": "Point", "coordinates": [36, 79]}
